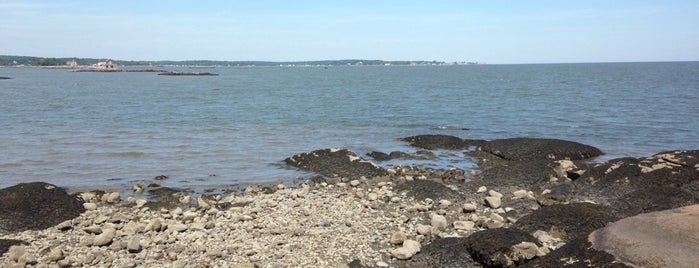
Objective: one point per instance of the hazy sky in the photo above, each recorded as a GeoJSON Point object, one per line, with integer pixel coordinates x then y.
{"type": "Point", "coordinates": [485, 31]}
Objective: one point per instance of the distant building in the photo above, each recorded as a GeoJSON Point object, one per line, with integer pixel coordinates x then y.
{"type": "Point", "coordinates": [72, 63]}
{"type": "Point", "coordinates": [105, 65]}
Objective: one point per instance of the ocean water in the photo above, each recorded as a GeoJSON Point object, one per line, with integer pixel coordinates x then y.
{"type": "Point", "coordinates": [111, 130]}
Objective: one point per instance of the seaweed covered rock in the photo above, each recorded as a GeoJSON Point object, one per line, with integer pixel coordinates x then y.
{"type": "Point", "coordinates": [431, 142]}
{"type": "Point", "coordinates": [518, 149]}
{"type": "Point", "coordinates": [577, 253]}
{"type": "Point", "coordinates": [639, 185]}
{"type": "Point", "coordinates": [335, 162]}
{"type": "Point", "coordinates": [421, 189]}
{"type": "Point", "coordinates": [500, 247]}
{"type": "Point", "coordinates": [567, 221]}
{"type": "Point", "coordinates": [442, 252]}
{"type": "Point", "coordinates": [36, 205]}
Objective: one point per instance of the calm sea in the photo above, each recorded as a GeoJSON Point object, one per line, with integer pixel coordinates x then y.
{"type": "Point", "coordinates": [91, 130]}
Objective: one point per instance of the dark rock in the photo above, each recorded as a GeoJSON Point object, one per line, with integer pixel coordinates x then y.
{"type": "Point", "coordinates": [431, 142]}
{"type": "Point", "coordinates": [492, 248]}
{"type": "Point", "coordinates": [443, 252]}
{"type": "Point", "coordinates": [379, 156]}
{"type": "Point", "coordinates": [577, 253]}
{"type": "Point", "coordinates": [539, 149]}
{"type": "Point", "coordinates": [5, 244]}
{"type": "Point", "coordinates": [164, 197]}
{"type": "Point", "coordinates": [632, 186]}
{"type": "Point", "coordinates": [36, 206]}
{"type": "Point", "coordinates": [5, 77]}
{"type": "Point", "coordinates": [335, 163]}
{"type": "Point", "coordinates": [356, 263]}
{"type": "Point", "coordinates": [559, 193]}
{"type": "Point", "coordinates": [421, 189]}
{"type": "Point", "coordinates": [567, 221]}
{"type": "Point", "coordinates": [176, 73]}
{"type": "Point", "coordinates": [522, 174]}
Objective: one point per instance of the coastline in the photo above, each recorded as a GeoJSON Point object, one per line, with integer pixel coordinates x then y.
{"type": "Point", "coordinates": [528, 202]}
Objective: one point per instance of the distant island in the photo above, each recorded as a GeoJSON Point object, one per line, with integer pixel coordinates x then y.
{"type": "Point", "coordinates": [29, 61]}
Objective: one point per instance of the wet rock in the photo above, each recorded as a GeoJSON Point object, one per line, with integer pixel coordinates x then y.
{"type": "Point", "coordinates": [335, 163]}
{"type": "Point", "coordinates": [36, 205]}
{"type": "Point", "coordinates": [443, 252]}
{"type": "Point", "coordinates": [667, 238]}
{"type": "Point", "coordinates": [567, 221]}
{"type": "Point", "coordinates": [431, 142]}
{"type": "Point", "coordinates": [520, 149]}
{"type": "Point", "coordinates": [493, 248]}
{"type": "Point", "coordinates": [379, 156]}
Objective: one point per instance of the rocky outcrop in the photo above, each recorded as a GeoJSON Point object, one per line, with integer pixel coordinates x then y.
{"type": "Point", "coordinates": [36, 205]}
{"type": "Point", "coordinates": [335, 162]}
{"type": "Point", "coordinates": [667, 238]}
{"type": "Point", "coordinates": [431, 142]}
{"type": "Point", "coordinates": [567, 221]}
{"type": "Point", "coordinates": [520, 149]}
{"type": "Point", "coordinates": [5, 244]}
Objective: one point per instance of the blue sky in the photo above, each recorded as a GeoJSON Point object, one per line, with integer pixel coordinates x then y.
{"type": "Point", "coordinates": [484, 31]}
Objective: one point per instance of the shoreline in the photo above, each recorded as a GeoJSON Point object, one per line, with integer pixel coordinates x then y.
{"type": "Point", "coordinates": [523, 208]}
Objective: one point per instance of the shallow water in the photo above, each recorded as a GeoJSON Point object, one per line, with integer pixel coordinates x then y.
{"type": "Point", "coordinates": [113, 129]}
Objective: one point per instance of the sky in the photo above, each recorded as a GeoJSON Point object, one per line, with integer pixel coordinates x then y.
{"type": "Point", "coordinates": [483, 31]}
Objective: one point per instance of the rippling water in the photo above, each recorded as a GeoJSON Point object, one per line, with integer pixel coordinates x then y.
{"type": "Point", "coordinates": [113, 129]}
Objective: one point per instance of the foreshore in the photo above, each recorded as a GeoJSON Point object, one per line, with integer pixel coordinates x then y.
{"type": "Point", "coordinates": [532, 203]}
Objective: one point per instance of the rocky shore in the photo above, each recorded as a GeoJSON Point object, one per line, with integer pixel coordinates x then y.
{"type": "Point", "coordinates": [530, 203]}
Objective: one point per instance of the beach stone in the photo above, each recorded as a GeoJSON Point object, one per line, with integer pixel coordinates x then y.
{"type": "Point", "coordinates": [155, 225]}
{"type": "Point", "coordinates": [35, 206]}
{"type": "Point", "coordinates": [398, 237]}
{"type": "Point", "coordinates": [90, 206]}
{"type": "Point", "coordinates": [105, 238]}
{"type": "Point", "coordinates": [438, 222]}
{"type": "Point", "coordinates": [336, 162]}
{"type": "Point", "coordinates": [409, 248]}
{"type": "Point", "coordinates": [464, 225]}
{"type": "Point", "coordinates": [469, 207]}
{"type": "Point", "coordinates": [189, 215]}
{"type": "Point", "coordinates": [482, 189]}
{"type": "Point", "coordinates": [443, 204]}
{"type": "Point", "coordinates": [667, 238]}
{"type": "Point", "coordinates": [525, 251]}
{"type": "Point", "coordinates": [354, 183]}
{"type": "Point", "coordinates": [5, 244]}
{"type": "Point", "coordinates": [178, 227]}
{"type": "Point", "coordinates": [203, 203]}
{"type": "Point", "coordinates": [494, 193]}
{"type": "Point", "coordinates": [423, 229]}
{"type": "Point", "coordinates": [520, 194]}
{"type": "Point", "coordinates": [134, 245]}
{"type": "Point", "coordinates": [56, 254]}
{"type": "Point", "coordinates": [519, 149]}
{"type": "Point", "coordinates": [111, 198]}
{"type": "Point", "coordinates": [15, 252]}
{"type": "Point", "coordinates": [493, 202]}
{"type": "Point", "coordinates": [372, 196]}
{"type": "Point", "coordinates": [93, 229]}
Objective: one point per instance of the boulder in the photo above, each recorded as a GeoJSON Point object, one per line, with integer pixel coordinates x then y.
{"type": "Point", "coordinates": [35, 206]}
{"type": "Point", "coordinates": [335, 162]}
{"type": "Point", "coordinates": [667, 238]}
{"type": "Point", "coordinates": [521, 149]}
{"type": "Point", "coordinates": [577, 253]}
